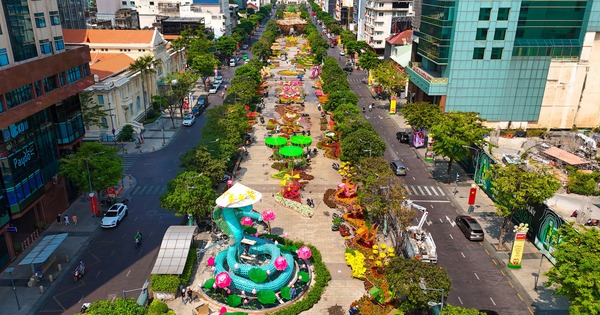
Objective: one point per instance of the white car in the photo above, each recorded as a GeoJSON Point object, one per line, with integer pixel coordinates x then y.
{"type": "Point", "coordinates": [342, 53]}
{"type": "Point", "coordinates": [114, 215]}
{"type": "Point", "coordinates": [189, 120]}
{"type": "Point", "coordinates": [213, 89]}
{"type": "Point", "coordinates": [219, 79]}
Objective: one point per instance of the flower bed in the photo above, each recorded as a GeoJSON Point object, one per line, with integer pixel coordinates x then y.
{"type": "Point", "coordinates": [301, 209]}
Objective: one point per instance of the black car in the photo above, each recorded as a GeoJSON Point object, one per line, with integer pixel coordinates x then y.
{"type": "Point", "coordinates": [403, 137]}
{"type": "Point", "coordinates": [470, 228]}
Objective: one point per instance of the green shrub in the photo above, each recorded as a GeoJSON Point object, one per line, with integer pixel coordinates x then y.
{"type": "Point", "coordinates": [536, 132]}
{"type": "Point", "coordinates": [126, 133]}
{"type": "Point", "coordinates": [583, 183]}
{"type": "Point", "coordinates": [189, 264]}
{"type": "Point", "coordinates": [164, 283]}
{"type": "Point", "coordinates": [157, 308]}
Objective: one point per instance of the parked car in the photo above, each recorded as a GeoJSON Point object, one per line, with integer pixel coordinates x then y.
{"type": "Point", "coordinates": [114, 215]}
{"type": "Point", "coordinates": [342, 53]}
{"type": "Point", "coordinates": [189, 120]}
{"type": "Point", "coordinates": [200, 105]}
{"type": "Point", "coordinates": [403, 137]}
{"type": "Point", "coordinates": [470, 228]}
{"type": "Point", "coordinates": [232, 62]}
{"type": "Point", "coordinates": [244, 47]}
{"type": "Point", "coordinates": [218, 79]}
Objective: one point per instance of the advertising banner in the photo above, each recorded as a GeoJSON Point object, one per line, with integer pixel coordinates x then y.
{"type": "Point", "coordinates": [418, 138]}
{"type": "Point", "coordinates": [517, 251]}
{"type": "Point", "coordinates": [393, 106]}
{"type": "Point", "coordinates": [543, 226]}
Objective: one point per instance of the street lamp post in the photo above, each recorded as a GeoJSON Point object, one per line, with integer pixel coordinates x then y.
{"type": "Point", "coordinates": [425, 289]}
{"type": "Point", "coordinates": [12, 281]}
{"type": "Point", "coordinates": [112, 123]}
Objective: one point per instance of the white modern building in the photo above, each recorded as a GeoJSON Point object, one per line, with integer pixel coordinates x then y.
{"type": "Point", "coordinates": [378, 24]}
{"type": "Point", "coordinates": [115, 87]}
{"type": "Point", "coordinates": [216, 13]}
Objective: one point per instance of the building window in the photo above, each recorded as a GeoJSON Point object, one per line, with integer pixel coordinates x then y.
{"type": "Point", "coordinates": [3, 57]}
{"type": "Point", "coordinates": [38, 88]}
{"type": "Point", "coordinates": [151, 2]}
{"type": "Point", "coordinates": [45, 47]}
{"type": "Point", "coordinates": [18, 96]}
{"type": "Point", "coordinates": [378, 42]}
{"type": "Point", "coordinates": [481, 34]}
{"type": "Point", "coordinates": [503, 14]}
{"type": "Point", "coordinates": [123, 2]}
{"type": "Point", "coordinates": [484, 14]}
{"type": "Point", "coordinates": [73, 74]}
{"type": "Point", "coordinates": [380, 14]}
{"type": "Point", "coordinates": [50, 84]}
{"type": "Point", "coordinates": [54, 18]}
{"type": "Point", "coordinates": [500, 34]}
{"type": "Point", "coordinates": [59, 43]}
{"type": "Point", "coordinates": [496, 53]}
{"type": "Point", "coordinates": [104, 122]}
{"type": "Point", "coordinates": [478, 53]}
{"type": "Point", "coordinates": [40, 20]}
{"type": "Point", "coordinates": [380, 5]}
{"type": "Point", "coordinates": [101, 100]}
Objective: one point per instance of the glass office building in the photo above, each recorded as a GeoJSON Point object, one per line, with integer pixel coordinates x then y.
{"type": "Point", "coordinates": [493, 57]}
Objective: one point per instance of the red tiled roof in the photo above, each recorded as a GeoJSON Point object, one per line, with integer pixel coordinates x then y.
{"type": "Point", "coordinates": [97, 36]}
{"type": "Point", "coordinates": [401, 38]}
{"type": "Point", "coordinates": [105, 65]}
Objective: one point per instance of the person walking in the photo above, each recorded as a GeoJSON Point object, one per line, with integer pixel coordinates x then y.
{"type": "Point", "coordinates": [182, 294]}
{"type": "Point", "coordinates": [66, 219]}
{"type": "Point", "coordinates": [189, 294]}
{"type": "Point", "coordinates": [58, 219]}
{"type": "Point", "coordinates": [74, 218]}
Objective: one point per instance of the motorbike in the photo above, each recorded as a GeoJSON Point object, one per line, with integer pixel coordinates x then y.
{"type": "Point", "coordinates": [138, 243]}
{"type": "Point", "coordinates": [592, 222]}
{"type": "Point", "coordinates": [78, 274]}
{"type": "Point", "coordinates": [335, 166]}
{"type": "Point", "coordinates": [574, 214]}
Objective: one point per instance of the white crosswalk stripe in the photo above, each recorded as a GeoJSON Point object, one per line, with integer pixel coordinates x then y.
{"type": "Point", "coordinates": [149, 190]}
{"type": "Point", "coordinates": [128, 161]}
{"type": "Point", "coordinates": [424, 190]}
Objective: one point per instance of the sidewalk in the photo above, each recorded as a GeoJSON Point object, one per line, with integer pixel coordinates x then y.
{"type": "Point", "coordinates": [541, 301]}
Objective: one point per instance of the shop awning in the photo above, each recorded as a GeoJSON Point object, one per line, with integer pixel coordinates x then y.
{"type": "Point", "coordinates": [174, 250]}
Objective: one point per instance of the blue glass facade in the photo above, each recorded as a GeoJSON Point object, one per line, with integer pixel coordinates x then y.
{"type": "Point", "coordinates": [494, 55]}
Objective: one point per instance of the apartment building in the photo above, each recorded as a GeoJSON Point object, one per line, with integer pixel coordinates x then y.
{"type": "Point", "coordinates": [40, 118]}
{"type": "Point", "coordinates": [517, 63]}
{"type": "Point", "coordinates": [72, 13]}
{"type": "Point", "coordinates": [379, 15]}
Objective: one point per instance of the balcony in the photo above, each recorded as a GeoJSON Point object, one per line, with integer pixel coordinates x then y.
{"type": "Point", "coordinates": [428, 81]}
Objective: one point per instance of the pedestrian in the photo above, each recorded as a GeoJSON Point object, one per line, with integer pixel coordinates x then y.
{"type": "Point", "coordinates": [189, 294]}
{"type": "Point", "coordinates": [182, 294]}
{"type": "Point", "coordinates": [66, 219]}
{"type": "Point", "coordinates": [58, 219]}
{"type": "Point", "coordinates": [74, 218]}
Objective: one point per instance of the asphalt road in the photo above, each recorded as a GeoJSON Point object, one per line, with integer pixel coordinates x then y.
{"type": "Point", "coordinates": [477, 281]}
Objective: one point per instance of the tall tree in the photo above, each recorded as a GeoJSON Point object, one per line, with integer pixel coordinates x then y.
{"type": "Point", "coordinates": [390, 79]}
{"type": "Point", "coordinates": [515, 189]}
{"type": "Point", "coordinates": [189, 193]}
{"type": "Point", "coordinates": [261, 49]}
{"type": "Point", "coordinates": [200, 160]}
{"type": "Point", "coordinates": [360, 144]}
{"type": "Point", "coordinates": [404, 276]}
{"type": "Point", "coordinates": [91, 111]}
{"type": "Point", "coordinates": [146, 65]}
{"type": "Point", "coordinates": [94, 166]}
{"type": "Point", "coordinates": [457, 310]}
{"type": "Point", "coordinates": [204, 65]}
{"type": "Point", "coordinates": [181, 84]}
{"type": "Point", "coordinates": [577, 271]}
{"type": "Point", "coordinates": [226, 45]}
{"type": "Point", "coordinates": [455, 132]}
{"type": "Point", "coordinates": [421, 115]}
{"type": "Point", "coordinates": [369, 60]}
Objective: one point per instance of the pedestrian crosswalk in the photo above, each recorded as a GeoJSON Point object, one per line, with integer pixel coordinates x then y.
{"type": "Point", "coordinates": [425, 190]}
{"type": "Point", "coordinates": [149, 190]}
{"type": "Point", "coordinates": [129, 160]}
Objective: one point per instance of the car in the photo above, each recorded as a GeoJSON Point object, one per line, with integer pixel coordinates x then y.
{"type": "Point", "coordinates": [470, 228]}
{"type": "Point", "coordinates": [114, 215]}
{"type": "Point", "coordinates": [188, 120]}
{"type": "Point", "coordinates": [348, 68]}
{"type": "Point", "coordinates": [246, 61]}
{"type": "Point", "coordinates": [244, 47]}
{"type": "Point", "coordinates": [218, 79]}
{"type": "Point", "coordinates": [212, 90]}
{"type": "Point", "coordinates": [201, 104]}
{"type": "Point", "coordinates": [403, 137]}
{"type": "Point", "coordinates": [398, 168]}
{"type": "Point", "coordinates": [232, 62]}
{"type": "Point", "coordinates": [342, 53]}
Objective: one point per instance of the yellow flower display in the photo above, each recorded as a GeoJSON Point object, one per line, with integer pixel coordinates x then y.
{"type": "Point", "coordinates": [356, 261]}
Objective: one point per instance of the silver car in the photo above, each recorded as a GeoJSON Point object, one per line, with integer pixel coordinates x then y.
{"type": "Point", "coordinates": [470, 228]}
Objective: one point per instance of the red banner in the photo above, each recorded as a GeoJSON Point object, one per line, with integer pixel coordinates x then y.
{"type": "Point", "coordinates": [472, 194]}
{"type": "Point", "coordinates": [93, 204]}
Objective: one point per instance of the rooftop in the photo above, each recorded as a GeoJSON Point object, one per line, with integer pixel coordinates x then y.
{"type": "Point", "coordinates": [97, 36]}
{"type": "Point", "coordinates": [105, 65]}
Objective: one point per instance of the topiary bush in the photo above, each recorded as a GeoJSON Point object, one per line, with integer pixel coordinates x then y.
{"type": "Point", "coordinates": [157, 308]}
{"type": "Point", "coordinates": [189, 264]}
{"type": "Point", "coordinates": [126, 133]}
{"type": "Point", "coordinates": [165, 283]}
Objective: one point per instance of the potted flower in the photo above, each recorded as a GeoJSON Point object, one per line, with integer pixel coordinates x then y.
{"type": "Point", "coordinates": [335, 223]}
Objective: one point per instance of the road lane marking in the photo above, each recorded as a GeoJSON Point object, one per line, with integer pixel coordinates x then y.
{"type": "Point", "coordinates": [487, 252]}
{"type": "Point", "coordinates": [492, 301]}
{"type": "Point", "coordinates": [135, 190]}
{"type": "Point", "coordinates": [460, 300]}
{"type": "Point", "coordinates": [128, 272]}
{"type": "Point", "coordinates": [502, 272]}
{"type": "Point", "coordinates": [442, 221]}
{"type": "Point", "coordinates": [463, 255]}
{"type": "Point", "coordinates": [511, 285]}
{"type": "Point", "coordinates": [441, 191]}
{"type": "Point", "coordinates": [426, 189]}
{"type": "Point", "coordinates": [530, 310]}
{"type": "Point", "coordinates": [98, 274]}
{"type": "Point", "coordinates": [421, 190]}
{"type": "Point", "coordinates": [414, 178]}
{"type": "Point", "coordinates": [431, 206]}
{"type": "Point", "coordinates": [520, 297]}
{"type": "Point", "coordinates": [476, 276]}
{"type": "Point", "coordinates": [494, 261]}
{"type": "Point", "coordinates": [451, 236]}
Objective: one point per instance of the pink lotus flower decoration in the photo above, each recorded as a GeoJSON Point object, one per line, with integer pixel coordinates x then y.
{"type": "Point", "coordinates": [223, 280]}
{"type": "Point", "coordinates": [211, 261]}
{"type": "Point", "coordinates": [246, 221]}
{"type": "Point", "coordinates": [223, 310]}
{"type": "Point", "coordinates": [268, 215]}
{"type": "Point", "coordinates": [304, 252]}
{"type": "Point", "coordinates": [280, 263]}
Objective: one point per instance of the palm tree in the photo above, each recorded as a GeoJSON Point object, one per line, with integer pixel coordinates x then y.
{"type": "Point", "coordinates": [145, 65]}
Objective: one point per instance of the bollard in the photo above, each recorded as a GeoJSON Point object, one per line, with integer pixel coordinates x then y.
{"type": "Point", "coordinates": [41, 289]}
{"type": "Point", "coordinates": [59, 266]}
{"type": "Point", "coordinates": [51, 278]}
{"type": "Point", "coordinates": [30, 282]}
{"type": "Point", "coordinates": [66, 258]}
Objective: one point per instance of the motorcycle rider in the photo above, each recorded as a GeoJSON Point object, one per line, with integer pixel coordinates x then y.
{"type": "Point", "coordinates": [81, 267]}
{"type": "Point", "coordinates": [138, 236]}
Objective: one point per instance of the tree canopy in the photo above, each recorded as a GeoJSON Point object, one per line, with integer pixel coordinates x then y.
{"type": "Point", "coordinates": [369, 60]}
{"type": "Point", "coordinates": [577, 271]}
{"type": "Point", "coordinates": [119, 306]}
{"type": "Point", "coordinates": [421, 115]}
{"type": "Point", "coordinates": [226, 45]}
{"type": "Point", "coordinates": [91, 111]}
{"type": "Point", "coordinates": [515, 189]}
{"type": "Point", "coordinates": [455, 133]}
{"type": "Point", "coordinates": [189, 193]}
{"type": "Point", "coordinates": [457, 310]}
{"type": "Point", "coordinates": [200, 160]}
{"type": "Point", "coordinates": [204, 65]}
{"type": "Point", "coordinates": [96, 162]}
{"type": "Point", "coordinates": [361, 143]}
{"type": "Point", "coordinates": [391, 79]}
